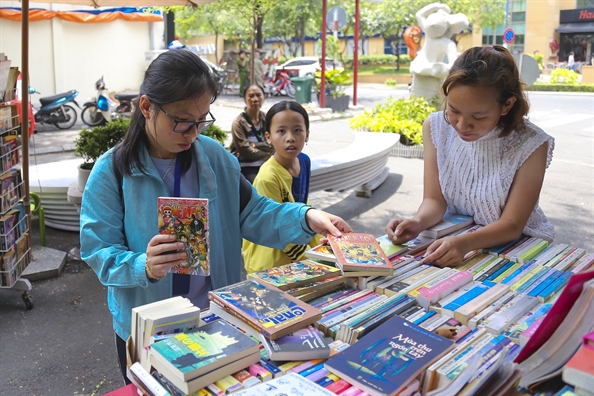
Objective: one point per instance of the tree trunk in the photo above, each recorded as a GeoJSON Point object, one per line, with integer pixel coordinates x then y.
{"type": "Point", "coordinates": [259, 20]}
{"type": "Point", "coordinates": [217, 61]}
{"type": "Point", "coordinates": [302, 36]}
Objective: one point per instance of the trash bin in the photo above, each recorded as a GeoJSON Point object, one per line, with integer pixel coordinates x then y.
{"type": "Point", "coordinates": [303, 86]}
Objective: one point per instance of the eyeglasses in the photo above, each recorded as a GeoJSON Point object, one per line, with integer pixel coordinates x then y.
{"type": "Point", "coordinates": [185, 126]}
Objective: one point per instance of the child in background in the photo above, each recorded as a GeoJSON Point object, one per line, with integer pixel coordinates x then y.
{"type": "Point", "coordinates": [284, 178]}
{"type": "Point", "coordinates": [483, 159]}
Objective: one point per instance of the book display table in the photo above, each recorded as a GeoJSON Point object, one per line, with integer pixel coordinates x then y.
{"type": "Point", "coordinates": [506, 321]}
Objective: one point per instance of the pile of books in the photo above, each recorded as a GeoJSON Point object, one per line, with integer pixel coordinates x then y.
{"type": "Point", "coordinates": [510, 315]}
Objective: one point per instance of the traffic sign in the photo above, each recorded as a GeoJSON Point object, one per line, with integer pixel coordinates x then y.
{"type": "Point", "coordinates": [509, 35]}
{"type": "Point", "coordinates": [336, 18]}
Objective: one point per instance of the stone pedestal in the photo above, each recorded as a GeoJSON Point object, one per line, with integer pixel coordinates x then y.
{"type": "Point", "coordinates": [425, 86]}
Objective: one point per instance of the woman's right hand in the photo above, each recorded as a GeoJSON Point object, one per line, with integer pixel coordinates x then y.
{"type": "Point", "coordinates": [162, 253]}
{"type": "Point", "coordinates": [401, 231]}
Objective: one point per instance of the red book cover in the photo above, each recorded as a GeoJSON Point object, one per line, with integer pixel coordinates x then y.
{"type": "Point", "coordinates": [556, 315]}
{"type": "Point", "coordinates": [187, 219]}
{"type": "Point", "coordinates": [360, 252]}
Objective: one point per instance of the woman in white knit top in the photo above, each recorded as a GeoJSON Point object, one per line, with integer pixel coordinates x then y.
{"type": "Point", "coordinates": [483, 158]}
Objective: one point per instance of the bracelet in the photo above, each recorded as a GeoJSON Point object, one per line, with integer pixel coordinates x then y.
{"type": "Point", "coordinates": [150, 273]}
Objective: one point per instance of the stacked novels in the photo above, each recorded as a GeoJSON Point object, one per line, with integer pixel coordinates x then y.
{"type": "Point", "coordinates": [159, 319]}
{"type": "Point", "coordinates": [360, 255]}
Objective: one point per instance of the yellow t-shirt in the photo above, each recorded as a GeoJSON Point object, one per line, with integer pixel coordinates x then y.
{"type": "Point", "coordinates": [275, 182]}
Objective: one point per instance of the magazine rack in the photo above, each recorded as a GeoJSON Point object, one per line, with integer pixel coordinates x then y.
{"type": "Point", "coordinates": [15, 246]}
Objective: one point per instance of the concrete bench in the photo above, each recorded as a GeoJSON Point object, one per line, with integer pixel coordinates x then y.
{"type": "Point", "coordinates": [361, 165]}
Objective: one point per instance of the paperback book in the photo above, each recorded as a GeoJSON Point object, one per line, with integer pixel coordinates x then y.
{"type": "Point", "coordinates": [395, 356]}
{"type": "Point", "coordinates": [449, 223]}
{"type": "Point", "coordinates": [187, 219]}
{"type": "Point", "coordinates": [265, 308]}
{"type": "Point", "coordinates": [360, 252]}
{"type": "Point", "coordinates": [321, 252]}
{"type": "Point", "coordinates": [304, 344]}
{"type": "Point", "coordinates": [190, 355]}
{"type": "Point", "coordinates": [297, 274]}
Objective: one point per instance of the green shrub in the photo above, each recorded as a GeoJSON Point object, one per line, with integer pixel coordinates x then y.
{"type": "Point", "coordinates": [562, 87]}
{"type": "Point", "coordinates": [216, 133]}
{"type": "Point", "coordinates": [564, 76]}
{"type": "Point", "coordinates": [390, 82]}
{"type": "Point", "coordinates": [404, 116]}
{"type": "Point", "coordinates": [335, 81]}
{"type": "Point", "coordinates": [92, 143]}
{"type": "Point", "coordinates": [377, 60]}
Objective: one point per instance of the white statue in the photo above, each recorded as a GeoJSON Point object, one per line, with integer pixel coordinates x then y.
{"type": "Point", "coordinates": [439, 26]}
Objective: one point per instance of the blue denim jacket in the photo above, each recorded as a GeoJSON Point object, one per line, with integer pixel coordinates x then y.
{"type": "Point", "coordinates": [121, 267]}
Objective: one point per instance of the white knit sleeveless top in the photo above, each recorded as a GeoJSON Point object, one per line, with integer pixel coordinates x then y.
{"type": "Point", "coordinates": [476, 177]}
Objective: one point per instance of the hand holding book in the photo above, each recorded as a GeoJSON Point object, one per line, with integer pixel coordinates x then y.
{"type": "Point", "coordinates": [162, 255]}
{"type": "Point", "coordinates": [445, 252]}
{"type": "Point", "coordinates": [400, 231]}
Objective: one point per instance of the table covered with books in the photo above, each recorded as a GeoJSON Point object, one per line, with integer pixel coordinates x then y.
{"type": "Point", "coordinates": [362, 316]}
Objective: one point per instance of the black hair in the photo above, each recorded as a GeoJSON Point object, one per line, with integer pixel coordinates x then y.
{"type": "Point", "coordinates": [241, 52]}
{"type": "Point", "coordinates": [492, 66]}
{"type": "Point", "coordinates": [172, 77]}
{"type": "Point", "coordinates": [253, 85]}
{"type": "Point", "coordinates": [286, 105]}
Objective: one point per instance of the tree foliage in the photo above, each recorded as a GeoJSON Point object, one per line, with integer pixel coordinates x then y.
{"type": "Point", "coordinates": [291, 21]}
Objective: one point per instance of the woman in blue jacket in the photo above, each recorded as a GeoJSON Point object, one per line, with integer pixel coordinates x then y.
{"type": "Point", "coordinates": [162, 154]}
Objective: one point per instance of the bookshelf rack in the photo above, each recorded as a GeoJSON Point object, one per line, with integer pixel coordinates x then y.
{"type": "Point", "coordinates": [15, 246]}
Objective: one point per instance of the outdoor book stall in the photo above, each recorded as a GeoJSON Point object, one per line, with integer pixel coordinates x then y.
{"type": "Point", "coordinates": [362, 316]}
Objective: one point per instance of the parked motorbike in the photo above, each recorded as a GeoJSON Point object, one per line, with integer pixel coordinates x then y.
{"type": "Point", "coordinates": [282, 85]}
{"type": "Point", "coordinates": [102, 108]}
{"type": "Point", "coordinates": [55, 110]}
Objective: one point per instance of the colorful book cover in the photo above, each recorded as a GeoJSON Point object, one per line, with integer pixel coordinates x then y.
{"type": "Point", "coordinates": [386, 363]}
{"type": "Point", "coordinates": [389, 248]}
{"type": "Point", "coordinates": [296, 274]}
{"type": "Point", "coordinates": [449, 223]}
{"type": "Point", "coordinates": [187, 219]}
{"type": "Point", "coordinates": [324, 285]}
{"type": "Point", "coordinates": [192, 354]}
{"type": "Point", "coordinates": [360, 252]}
{"type": "Point", "coordinates": [322, 253]}
{"type": "Point", "coordinates": [273, 312]}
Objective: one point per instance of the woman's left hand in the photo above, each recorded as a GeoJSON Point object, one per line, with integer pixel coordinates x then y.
{"type": "Point", "coordinates": [445, 252]}
{"type": "Point", "coordinates": [326, 223]}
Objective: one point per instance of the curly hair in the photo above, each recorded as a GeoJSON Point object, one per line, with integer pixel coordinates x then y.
{"type": "Point", "coordinates": [492, 66]}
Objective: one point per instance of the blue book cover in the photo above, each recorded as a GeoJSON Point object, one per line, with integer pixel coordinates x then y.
{"type": "Point", "coordinates": [386, 363]}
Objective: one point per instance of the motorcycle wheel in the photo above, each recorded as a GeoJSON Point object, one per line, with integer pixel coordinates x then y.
{"type": "Point", "coordinates": [92, 116]}
{"type": "Point", "coordinates": [290, 88]}
{"type": "Point", "coordinates": [70, 118]}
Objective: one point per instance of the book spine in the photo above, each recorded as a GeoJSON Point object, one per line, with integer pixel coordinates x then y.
{"type": "Point", "coordinates": [481, 264]}
{"type": "Point", "coordinates": [559, 283]}
{"type": "Point", "coordinates": [479, 317]}
{"type": "Point", "coordinates": [432, 283]}
{"type": "Point", "coordinates": [312, 370]}
{"type": "Point", "coordinates": [583, 263]}
{"type": "Point", "coordinates": [149, 382]}
{"type": "Point", "coordinates": [507, 316]}
{"type": "Point", "coordinates": [304, 366]}
{"type": "Point", "coordinates": [529, 332]}
{"type": "Point", "coordinates": [527, 277]}
{"type": "Point", "coordinates": [507, 272]}
{"type": "Point", "coordinates": [333, 331]}
{"type": "Point", "coordinates": [454, 295]}
{"type": "Point", "coordinates": [388, 302]}
{"type": "Point", "coordinates": [424, 317]}
{"type": "Point", "coordinates": [506, 265]}
{"type": "Point", "coordinates": [549, 253]}
{"type": "Point", "coordinates": [328, 299]}
{"type": "Point", "coordinates": [327, 380]}
{"type": "Point", "coordinates": [470, 309]}
{"type": "Point", "coordinates": [512, 253]}
{"type": "Point", "coordinates": [532, 242]}
{"type": "Point", "coordinates": [513, 246]}
{"type": "Point", "coordinates": [455, 281]}
{"type": "Point", "coordinates": [519, 273]}
{"type": "Point", "coordinates": [351, 310]}
{"type": "Point", "coordinates": [354, 334]}
{"type": "Point", "coordinates": [329, 314]}
{"type": "Point", "coordinates": [417, 315]}
{"type": "Point", "coordinates": [552, 262]}
{"type": "Point", "coordinates": [469, 351]}
{"type": "Point", "coordinates": [271, 368]}
{"type": "Point", "coordinates": [345, 300]}
{"type": "Point", "coordinates": [259, 372]}
{"type": "Point", "coordinates": [570, 259]}
{"type": "Point", "coordinates": [542, 283]}
{"type": "Point", "coordinates": [542, 273]}
{"type": "Point", "coordinates": [531, 253]}
{"type": "Point", "coordinates": [485, 270]}
{"type": "Point", "coordinates": [494, 268]}
{"type": "Point", "coordinates": [464, 299]}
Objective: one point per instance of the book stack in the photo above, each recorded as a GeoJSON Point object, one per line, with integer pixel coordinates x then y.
{"type": "Point", "coordinates": [159, 319]}
{"type": "Point", "coordinates": [360, 255]}
{"type": "Point", "coordinates": [579, 370]}
{"type": "Point", "coordinates": [304, 279]}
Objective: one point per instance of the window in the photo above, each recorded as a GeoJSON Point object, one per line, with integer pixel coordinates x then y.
{"type": "Point", "coordinates": [518, 5]}
{"type": "Point", "coordinates": [585, 4]}
{"type": "Point", "coordinates": [518, 16]}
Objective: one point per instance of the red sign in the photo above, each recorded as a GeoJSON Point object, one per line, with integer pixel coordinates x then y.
{"type": "Point", "coordinates": [587, 15]}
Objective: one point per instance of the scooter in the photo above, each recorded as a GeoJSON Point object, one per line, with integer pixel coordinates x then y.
{"type": "Point", "coordinates": [104, 109]}
{"type": "Point", "coordinates": [54, 109]}
{"type": "Point", "coordinates": [282, 85]}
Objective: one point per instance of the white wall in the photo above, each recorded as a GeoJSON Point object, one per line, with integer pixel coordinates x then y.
{"type": "Point", "coordinates": [66, 55]}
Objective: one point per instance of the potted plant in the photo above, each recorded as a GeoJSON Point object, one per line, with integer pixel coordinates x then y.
{"type": "Point", "coordinates": [215, 132]}
{"type": "Point", "coordinates": [336, 79]}
{"type": "Point", "coordinates": [92, 143]}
